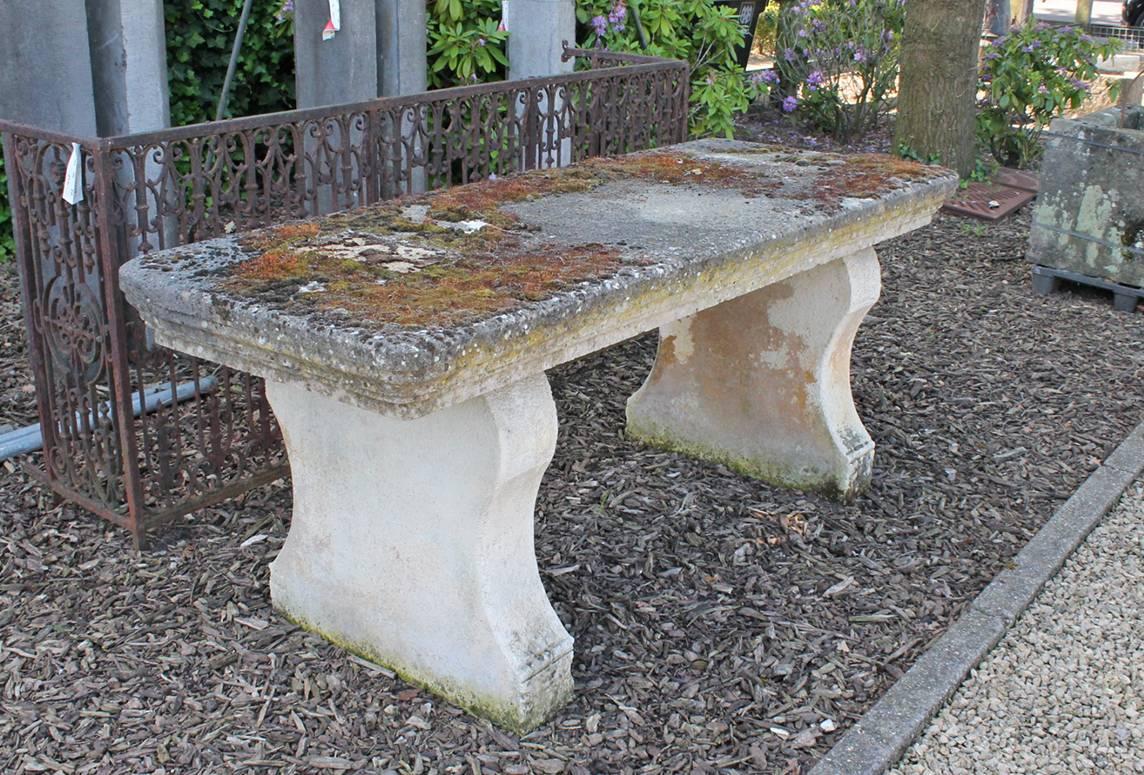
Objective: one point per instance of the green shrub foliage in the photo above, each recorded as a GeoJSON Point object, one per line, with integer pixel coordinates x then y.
{"type": "Point", "coordinates": [1029, 77]}
{"type": "Point", "coordinates": [7, 244]}
{"type": "Point", "coordinates": [200, 34]}
{"type": "Point", "coordinates": [700, 31]}
{"type": "Point", "coordinates": [466, 44]}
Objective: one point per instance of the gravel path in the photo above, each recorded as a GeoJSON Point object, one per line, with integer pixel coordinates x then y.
{"type": "Point", "coordinates": [1062, 692]}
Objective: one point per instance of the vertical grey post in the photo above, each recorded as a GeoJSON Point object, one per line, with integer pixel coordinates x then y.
{"type": "Point", "coordinates": [403, 42]}
{"type": "Point", "coordinates": [334, 72]}
{"type": "Point", "coordinates": [93, 68]}
{"type": "Point", "coordinates": [129, 79]}
{"type": "Point", "coordinates": [537, 30]}
{"type": "Point", "coordinates": [402, 63]}
{"type": "Point", "coordinates": [129, 65]}
{"type": "Point", "coordinates": [45, 60]}
{"type": "Point", "coordinates": [1000, 17]}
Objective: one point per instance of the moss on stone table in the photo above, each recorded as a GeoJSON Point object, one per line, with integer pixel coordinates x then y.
{"type": "Point", "coordinates": [457, 255]}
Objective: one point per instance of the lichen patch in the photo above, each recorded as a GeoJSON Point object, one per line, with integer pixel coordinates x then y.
{"type": "Point", "coordinates": [456, 255]}
{"type": "Point", "coordinates": [864, 176]}
{"type": "Point", "coordinates": [381, 266]}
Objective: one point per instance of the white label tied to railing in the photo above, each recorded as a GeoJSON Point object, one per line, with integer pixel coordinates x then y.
{"type": "Point", "coordinates": [73, 179]}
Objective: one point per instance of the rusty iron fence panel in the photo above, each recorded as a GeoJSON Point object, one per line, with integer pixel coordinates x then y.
{"type": "Point", "coordinates": [140, 434]}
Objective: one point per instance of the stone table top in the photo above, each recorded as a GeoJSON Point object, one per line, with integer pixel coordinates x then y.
{"type": "Point", "coordinates": [415, 304]}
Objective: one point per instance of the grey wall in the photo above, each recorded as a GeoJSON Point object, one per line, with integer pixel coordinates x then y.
{"type": "Point", "coordinates": [344, 69]}
{"type": "Point", "coordinates": [401, 34]}
{"type": "Point", "coordinates": [129, 65]}
{"type": "Point", "coordinates": [58, 71]}
{"type": "Point", "coordinates": [536, 32]}
{"type": "Point", "coordinates": [45, 65]}
{"type": "Point", "coordinates": [380, 50]}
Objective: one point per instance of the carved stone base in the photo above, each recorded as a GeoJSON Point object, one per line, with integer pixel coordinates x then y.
{"type": "Point", "coordinates": [412, 545]}
{"type": "Point", "coordinates": [762, 383]}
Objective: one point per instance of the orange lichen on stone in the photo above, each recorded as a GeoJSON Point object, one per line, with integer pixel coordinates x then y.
{"type": "Point", "coordinates": [459, 290]}
{"type": "Point", "coordinates": [282, 237]}
{"type": "Point", "coordinates": [418, 262]}
{"type": "Point", "coordinates": [868, 175]}
{"type": "Point", "coordinates": [273, 265]}
{"type": "Point", "coordinates": [417, 273]}
{"type": "Point", "coordinates": [483, 199]}
{"type": "Point", "coordinates": [474, 288]}
{"type": "Point", "coordinates": [672, 168]}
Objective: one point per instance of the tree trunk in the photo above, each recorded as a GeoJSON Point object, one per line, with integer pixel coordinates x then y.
{"type": "Point", "coordinates": [1083, 12]}
{"type": "Point", "coordinates": [938, 83]}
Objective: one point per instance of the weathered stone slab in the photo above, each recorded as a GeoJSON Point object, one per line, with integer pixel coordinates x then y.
{"type": "Point", "coordinates": [684, 229]}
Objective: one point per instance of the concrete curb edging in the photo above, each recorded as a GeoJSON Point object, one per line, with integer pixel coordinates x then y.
{"type": "Point", "coordinates": [884, 733]}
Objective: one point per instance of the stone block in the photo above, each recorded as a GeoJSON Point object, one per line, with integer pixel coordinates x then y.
{"type": "Point", "coordinates": [1089, 216]}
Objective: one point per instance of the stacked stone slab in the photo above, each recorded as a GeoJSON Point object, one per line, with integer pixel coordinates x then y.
{"type": "Point", "coordinates": [1089, 217]}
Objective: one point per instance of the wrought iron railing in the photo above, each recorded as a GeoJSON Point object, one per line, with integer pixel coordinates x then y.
{"type": "Point", "coordinates": [140, 434]}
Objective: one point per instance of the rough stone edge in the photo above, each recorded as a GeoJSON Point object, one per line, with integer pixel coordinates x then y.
{"type": "Point", "coordinates": [886, 731]}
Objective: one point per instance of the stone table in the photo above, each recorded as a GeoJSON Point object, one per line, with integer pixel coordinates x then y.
{"type": "Point", "coordinates": [404, 348]}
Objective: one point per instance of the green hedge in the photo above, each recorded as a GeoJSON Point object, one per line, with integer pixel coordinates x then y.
{"type": "Point", "coordinates": [200, 34]}
{"type": "Point", "coordinates": [7, 246]}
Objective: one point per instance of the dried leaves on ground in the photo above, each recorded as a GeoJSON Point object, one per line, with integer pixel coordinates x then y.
{"type": "Point", "coordinates": [721, 625]}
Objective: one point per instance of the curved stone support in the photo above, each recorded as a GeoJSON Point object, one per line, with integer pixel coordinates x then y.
{"type": "Point", "coordinates": [762, 383]}
{"type": "Point", "coordinates": [412, 544]}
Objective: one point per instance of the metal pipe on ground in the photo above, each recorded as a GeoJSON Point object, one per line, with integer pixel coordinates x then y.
{"type": "Point", "coordinates": [30, 438]}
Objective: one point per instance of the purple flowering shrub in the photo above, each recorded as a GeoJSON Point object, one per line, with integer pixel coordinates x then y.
{"type": "Point", "coordinates": [699, 31]}
{"type": "Point", "coordinates": [1028, 78]}
{"type": "Point", "coordinates": [838, 61]}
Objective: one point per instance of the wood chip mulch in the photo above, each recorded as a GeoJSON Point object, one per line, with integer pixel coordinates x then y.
{"type": "Point", "coordinates": [718, 622]}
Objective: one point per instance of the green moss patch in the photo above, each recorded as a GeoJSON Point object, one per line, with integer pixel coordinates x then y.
{"type": "Point", "coordinates": [381, 265]}
{"type": "Point", "coordinates": [454, 256]}
{"type": "Point", "coordinates": [865, 176]}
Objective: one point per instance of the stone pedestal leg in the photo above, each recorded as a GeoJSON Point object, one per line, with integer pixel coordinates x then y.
{"type": "Point", "coordinates": [762, 383]}
{"type": "Point", "coordinates": [412, 545]}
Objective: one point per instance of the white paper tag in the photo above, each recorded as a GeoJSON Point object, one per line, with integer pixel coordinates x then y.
{"type": "Point", "coordinates": [335, 22]}
{"type": "Point", "coordinates": [73, 179]}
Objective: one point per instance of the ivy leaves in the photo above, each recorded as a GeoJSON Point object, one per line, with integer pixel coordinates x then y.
{"type": "Point", "coordinates": [7, 243]}
{"type": "Point", "coordinates": [200, 34]}
{"type": "Point", "coordinates": [702, 32]}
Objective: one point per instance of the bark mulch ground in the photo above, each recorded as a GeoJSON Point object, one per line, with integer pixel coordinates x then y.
{"type": "Point", "coordinates": [718, 621]}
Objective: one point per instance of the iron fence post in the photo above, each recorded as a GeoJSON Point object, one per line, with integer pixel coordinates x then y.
{"type": "Point", "coordinates": [120, 398]}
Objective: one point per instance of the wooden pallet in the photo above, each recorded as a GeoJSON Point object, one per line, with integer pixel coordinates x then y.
{"type": "Point", "coordinates": [1047, 279]}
